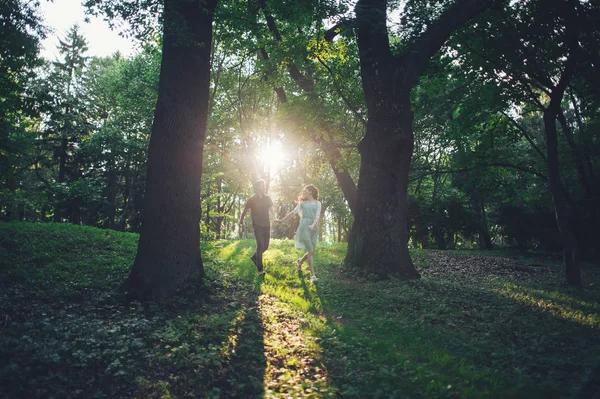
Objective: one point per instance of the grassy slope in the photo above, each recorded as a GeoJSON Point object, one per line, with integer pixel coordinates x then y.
{"type": "Point", "coordinates": [473, 326]}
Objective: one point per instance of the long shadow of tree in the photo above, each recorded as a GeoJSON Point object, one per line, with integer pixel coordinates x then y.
{"type": "Point", "coordinates": [452, 333]}
{"type": "Point", "coordinates": [205, 342]}
{"type": "Point", "coordinates": [243, 376]}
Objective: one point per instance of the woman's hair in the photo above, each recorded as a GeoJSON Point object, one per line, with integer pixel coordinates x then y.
{"type": "Point", "coordinates": [313, 190]}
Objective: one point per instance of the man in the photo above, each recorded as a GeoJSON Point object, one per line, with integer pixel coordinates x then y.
{"type": "Point", "coordinates": [261, 207]}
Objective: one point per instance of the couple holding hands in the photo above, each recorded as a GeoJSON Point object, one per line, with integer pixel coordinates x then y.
{"type": "Point", "coordinates": [308, 208]}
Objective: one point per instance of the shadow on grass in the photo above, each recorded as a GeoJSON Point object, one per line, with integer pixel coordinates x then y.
{"type": "Point", "coordinates": [244, 375]}
{"type": "Point", "coordinates": [439, 336]}
{"type": "Point", "coordinates": [205, 342]}
{"type": "Point", "coordinates": [434, 338]}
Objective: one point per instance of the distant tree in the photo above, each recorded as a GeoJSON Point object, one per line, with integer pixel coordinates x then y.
{"type": "Point", "coordinates": [123, 92]}
{"type": "Point", "coordinates": [544, 46]}
{"type": "Point", "coordinates": [62, 100]}
{"type": "Point", "coordinates": [20, 34]}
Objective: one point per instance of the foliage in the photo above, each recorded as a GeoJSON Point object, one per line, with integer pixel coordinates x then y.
{"type": "Point", "coordinates": [20, 34]}
{"type": "Point", "coordinates": [478, 176]}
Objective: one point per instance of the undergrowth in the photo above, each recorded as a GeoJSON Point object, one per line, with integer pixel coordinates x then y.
{"type": "Point", "coordinates": [472, 326]}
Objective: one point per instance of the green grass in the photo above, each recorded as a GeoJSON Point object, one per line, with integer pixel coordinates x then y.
{"type": "Point", "coordinates": [473, 325]}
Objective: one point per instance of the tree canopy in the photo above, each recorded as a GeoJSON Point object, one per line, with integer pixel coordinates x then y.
{"type": "Point", "coordinates": [448, 107]}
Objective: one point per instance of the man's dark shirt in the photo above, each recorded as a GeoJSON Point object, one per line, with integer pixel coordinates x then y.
{"type": "Point", "coordinates": [259, 208]}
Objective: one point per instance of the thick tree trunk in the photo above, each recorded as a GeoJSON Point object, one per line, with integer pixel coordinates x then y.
{"type": "Point", "coordinates": [379, 236]}
{"type": "Point", "coordinates": [168, 254]}
{"type": "Point", "coordinates": [378, 240]}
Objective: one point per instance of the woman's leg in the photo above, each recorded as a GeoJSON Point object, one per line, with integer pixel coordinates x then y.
{"type": "Point", "coordinates": [311, 262]}
{"type": "Point", "coordinates": [303, 258]}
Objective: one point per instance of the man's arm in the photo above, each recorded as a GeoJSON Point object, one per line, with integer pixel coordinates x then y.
{"type": "Point", "coordinates": [243, 215]}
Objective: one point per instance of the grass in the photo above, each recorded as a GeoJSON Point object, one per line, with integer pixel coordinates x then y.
{"type": "Point", "coordinates": [473, 325]}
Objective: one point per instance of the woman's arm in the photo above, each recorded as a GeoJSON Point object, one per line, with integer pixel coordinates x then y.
{"type": "Point", "coordinates": [289, 215]}
{"type": "Point", "coordinates": [317, 216]}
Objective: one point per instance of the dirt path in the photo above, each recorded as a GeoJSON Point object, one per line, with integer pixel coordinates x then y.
{"type": "Point", "coordinates": [294, 368]}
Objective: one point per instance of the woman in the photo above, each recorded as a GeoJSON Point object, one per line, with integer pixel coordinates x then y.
{"type": "Point", "coordinates": [309, 210]}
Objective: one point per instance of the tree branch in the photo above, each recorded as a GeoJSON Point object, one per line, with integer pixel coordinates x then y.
{"type": "Point", "coordinates": [332, 32]}
{"type": "Point", "coordinates": [429, 42]}
{"type": "Point", "coordinates": [338, 90]}
{"type": "Point", "coordinates": [525, 134]}
{"type": "Point", "coordinates": [491, 165]}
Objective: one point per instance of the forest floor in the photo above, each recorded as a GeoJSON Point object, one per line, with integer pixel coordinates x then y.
{"type": "Point", "coordinates": [477, 324]}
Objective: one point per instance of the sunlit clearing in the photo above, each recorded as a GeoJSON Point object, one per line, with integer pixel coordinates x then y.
{"type": "Point", "coordinates": [560, 305]}
{"type": "Point", "coordinates": [272, 156]}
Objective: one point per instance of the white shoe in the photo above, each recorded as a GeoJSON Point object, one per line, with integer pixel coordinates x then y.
{"type": "Point", "coordinates": [313, 278]}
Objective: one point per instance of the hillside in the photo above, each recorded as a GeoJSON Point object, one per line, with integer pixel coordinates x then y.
{"type": "Point", "coordinates": [474, 325]}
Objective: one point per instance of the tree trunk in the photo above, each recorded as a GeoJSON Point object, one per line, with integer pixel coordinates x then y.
{"type": "Point", "coordinates": [220, 208]}
{"type": "Point", "coordinates": [62, 177]}
{"type": "Point", "coordinates": [379, 236]}
{"type": "Point", "coordinates": [111, 196]}
{"type": "Point", "coordinates": [75, 208]}
{"type": "Point", "coordinates": [570, 256]}
{"type": "Point", "coordinates": [168, 254]}
{"type": "Point", "coordinates": [577, 155]}
{"type": "Point", "coordinates": [551, 113]}
{"type": "Point", "coordinates": [128, 198]}
{"type": "Point", "coordinates": [485, 240]}
{"type": "Point", "coordinates": [438, 232]}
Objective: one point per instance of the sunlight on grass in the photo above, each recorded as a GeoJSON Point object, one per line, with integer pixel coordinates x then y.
{"type": "Point", "coordinates": [295, 367]}
{"type": "Point", "coordinates": [559, 304]}
{"type": "Point", "coordinates": [243, 335]}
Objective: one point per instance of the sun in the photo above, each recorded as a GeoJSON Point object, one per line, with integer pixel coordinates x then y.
{"type": "Point", "coordinates": [272, 156]}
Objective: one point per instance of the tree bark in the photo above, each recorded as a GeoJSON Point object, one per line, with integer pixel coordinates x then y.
{"type": "Point", "coordinates": [577, 155]}
{"type": "Point", "coordinates": [168, 254]}
{"type": "Point", "coordinates": [379, 236]}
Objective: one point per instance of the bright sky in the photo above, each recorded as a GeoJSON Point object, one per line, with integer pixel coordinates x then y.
{"type": "Point", "coordinates": [60, 15]}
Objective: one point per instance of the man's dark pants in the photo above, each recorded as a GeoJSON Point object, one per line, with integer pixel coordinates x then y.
{"type": "Point", "coordinates": [262, 235]}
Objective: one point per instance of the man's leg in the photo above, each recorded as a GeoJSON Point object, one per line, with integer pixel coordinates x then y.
{"type": "Point", "coordinates": [262, 244]}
